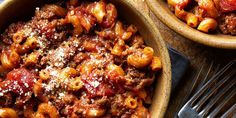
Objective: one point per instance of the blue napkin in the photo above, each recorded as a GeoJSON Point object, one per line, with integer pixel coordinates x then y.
{"type": "Point", "coordinates": [179, 65]}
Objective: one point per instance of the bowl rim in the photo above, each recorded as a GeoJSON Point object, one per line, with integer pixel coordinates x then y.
{"type": "Point", "coordinates": [166, 72]}
{"type": "Point", "coordinates": [160, 9]}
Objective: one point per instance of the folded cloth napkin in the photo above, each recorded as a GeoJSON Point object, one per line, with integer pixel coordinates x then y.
{"type": "Point", "coordinates": [179, 65]}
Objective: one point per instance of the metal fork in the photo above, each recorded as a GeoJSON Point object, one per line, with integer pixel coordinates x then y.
{"type": "Point", "coordinates": [199, 81]}
{"type": "Point", "coordinates": [205, 103]}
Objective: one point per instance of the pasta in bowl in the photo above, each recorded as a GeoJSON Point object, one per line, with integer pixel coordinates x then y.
{"type": "Point", "coordinates": [79, 59]}
{"type": "Point", "coordinates": [195, 19]}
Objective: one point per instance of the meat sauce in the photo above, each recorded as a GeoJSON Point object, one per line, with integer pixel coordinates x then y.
{"type": "Point", "coordinates": [20, 82]}
{"type": "Point", "coordinates": [73, 59]}
{"type": "Point", "coordinates": [228, 5]}
{"type": "Point", "coordinates": [207, 15]}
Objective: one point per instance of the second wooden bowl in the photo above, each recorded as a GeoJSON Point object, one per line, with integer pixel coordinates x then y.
{"type": "Point", "coordinates": [161, 10]}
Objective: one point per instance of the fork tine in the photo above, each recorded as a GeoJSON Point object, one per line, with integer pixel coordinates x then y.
{"type": "Point", "coordinates": [212, 91]}
{"type": "Point", "coordinates": [196, 79]}
{"type": "Point", "coordinates": [216, 98]}
{"type": "Point", "coordinates": [230, 112]}
{"type": "Point", "coordinates": [206, 86]}
{"type": "Point", "coordinates": [222, 104]}
{"type": "Point", "coordinates": [188, 111]}
{"type": "Point", "coordinates": [207, 75]}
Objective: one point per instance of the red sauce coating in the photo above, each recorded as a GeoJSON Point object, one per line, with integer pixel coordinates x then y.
{"type": "Point", "coordinates": [70, 60]}
{"type": "Point", "coordinates": [228, 5]}
{"type": "Point", "coordinates": [108, 84]}
{"type": "Point", "coordinates": [19, 81]}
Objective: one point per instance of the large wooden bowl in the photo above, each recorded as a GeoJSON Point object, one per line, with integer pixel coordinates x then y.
{"type": "Point", "coordinates": [13, 10]}
{"type": "Point", "coordinates": [161, 10]}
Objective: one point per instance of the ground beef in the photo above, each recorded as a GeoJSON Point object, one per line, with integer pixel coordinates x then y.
{"type": "Point", "coordinates": [227, 24]}
{"type": "Point", "coordinates": [61, 64]}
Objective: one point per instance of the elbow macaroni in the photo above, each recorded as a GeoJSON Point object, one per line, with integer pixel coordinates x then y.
{"type": "Point", "coordinates": [156, 63]}
{"type": "Point", "coordinates": [45, 109]}
{"type": "Point", "coordinates": [9, 59]}
{"type": "Point", "coordinates": [204, 16]}
{"type": "Point", "coordinates": [142, 58]}
{"type": "Point", "coordinates": [8, 113]}
{"type": "Point", "coordinates": [75, 60]}
{"type": "Point", "coordinates": [92, 113]}
{"type": "Point", "coordinates": [76, 84]}
{"type": "Point", "coordinates": [118, 48]}
{"type": "Point", "coordinates": [115, 68]}
{"type": "Point", "coordinates": [207, 24]}
{"type": "Point", "coordinates": [131, 102]}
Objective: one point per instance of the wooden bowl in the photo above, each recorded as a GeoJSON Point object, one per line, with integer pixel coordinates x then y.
{"type": "Point", "coordinates": [161, 10]}
{"type": "Point", "coordinates": [13, 10]}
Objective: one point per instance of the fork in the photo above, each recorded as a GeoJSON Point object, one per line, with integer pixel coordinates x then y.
{"type": "Point", "coordinates": [199, 81]}
{"type": "Point", "coordinates": [211, 93]}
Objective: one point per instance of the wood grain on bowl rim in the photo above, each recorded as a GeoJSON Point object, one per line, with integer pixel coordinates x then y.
{"type": "Point", "coordinates": [154, 39]}
{"type": "Point", "coordinates": [161, 10]}
{"type": "Point", "coordinates": [160, 100]}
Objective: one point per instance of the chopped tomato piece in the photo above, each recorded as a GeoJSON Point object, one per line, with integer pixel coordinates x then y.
{"type": "Point", "coordinates": [228, 5]}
